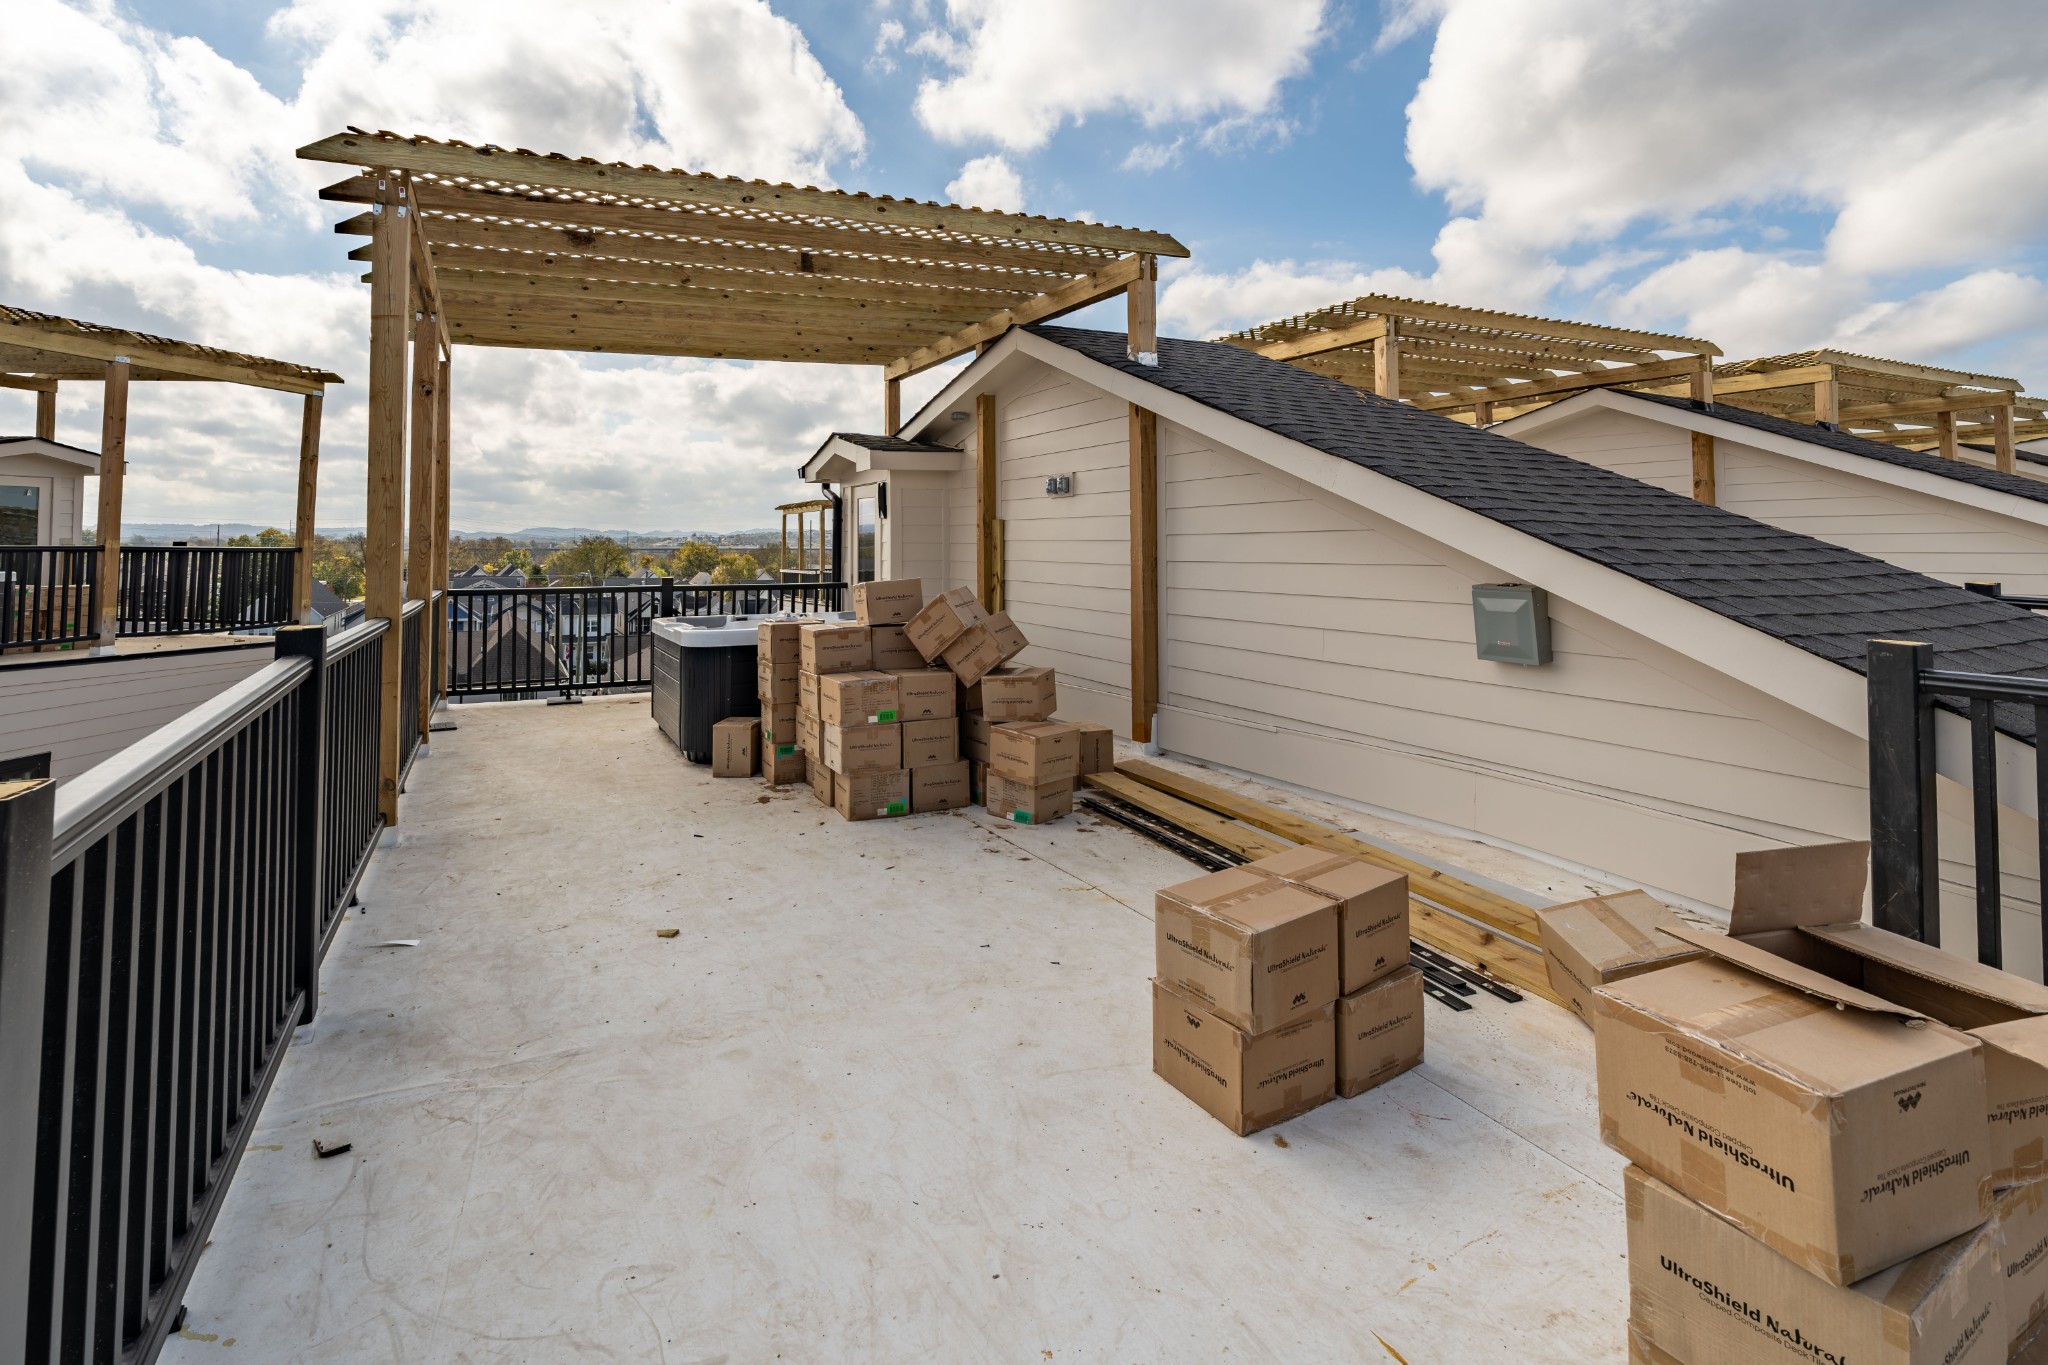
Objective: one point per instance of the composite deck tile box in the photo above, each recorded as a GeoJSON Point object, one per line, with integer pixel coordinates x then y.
{"type": "Point", "coordinates": [1379, 1032]}
{"type": "Point", "coordinates": [930, 743]}
{"type": "Point", "coordinates": [1022, 804]}
{"type": "Point", "coordinates": [836, 648]}
{"type": "Point", "coordinates": [871, 796]}
{"type": "Point", "coordinates": [778, 725]}
{"type": "Point", "coordinates": [852, 751]}
{"type": "Point", "coordinates": [783, 765]}
{"type": "Point", "coordinates": [1701, 1290]}
{"type": "Point", "coordinates": [1372, 909]}
{"type": "Point", "coordinates": [782, 641]}
{"type": "Point", "coordinates": [1098, 747]}
{"type": "Point", "coordinates": [1806, 904]}
{"type": "Point", "coordinates": [775, 679]}
{"type": "Point", "coordinates": [974, 735]}
{"type": "Point", "coordinates": [927, 694]}
{"type": "Point", "coordinates": [983, 647]}
{"type": "Point", "coordinates": [849, 699]}
{"type": "Point", "coordinates": [1255, 951]}
{"type": "Point", "coordinates": [735, 747]}
{"type": "Point", "coordinates": [1588, 943]}
{"type": "Point", "coordinates": [1511, 622]}
{"type": "Point", "coordinates": [940, 622]}
{"type": "Point", "coordinates": [942, 786]}
{"type": "Point", "coordinates": [1015, 692]}
{"type": "Point", "coordinates": [821, 780]}
{"type": "Point", "coordinates": [807, 692]}
{"type": "Point", "coordinates": [1034, 752]}
{"type": "Point", "coordinates": [811, 737]}
{"type": "Point", "coordinates": [888, 601]}
{"type": "Point", "coordinates": [892, 650]}
{"type": "Point", "coordinates": [2021, 1212]}
{"type": "Point", "coordinates": [977, 782]}
{"type": "Point", "coordinates": [1843, 1130]}
{"type": "Point", "coordinates": [1247, 1081]}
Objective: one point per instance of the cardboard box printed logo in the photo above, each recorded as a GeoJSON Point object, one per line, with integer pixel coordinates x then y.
{"type": "Point", "coordinates": [1246, 1081]}
{"type": "Point", "coordinates": [1255, 951]}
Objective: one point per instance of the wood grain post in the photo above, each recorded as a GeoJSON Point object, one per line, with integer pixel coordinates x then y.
{"type": "Point", "coordinates": [442, 481]}
{"type": "Point", "coordinates": [1703, 482]}
{"type": "Point", "coordinates": [987, 548]}
{"type": "Point", "coordinates": [309, 492]}
{"type": "Point", "coordinates": [1386, 363]}
{"type": "Point", "coordinates": [1827, 402]}
{"type": "Point", "coordinates": [113, 469]}
{"type": "Point", "coordinates": [421, 523]}
{"type": "Point", "coordinates": [1945, 435]}
{"type": "Point", "coordinates": [2004, 449]}
{"type": "Point", "coordinates": [1702, 381]}
{"type": "Point", "coordinates": [46, 413]}
{"type": "Point", "coordinates": [384, 511]}
{"type": "Point", "coordinates": [1141, 308]}
{"type": "Point", "coordinates": [892, 406]}
{"type": "Point", "coordinates": [1144, 469]}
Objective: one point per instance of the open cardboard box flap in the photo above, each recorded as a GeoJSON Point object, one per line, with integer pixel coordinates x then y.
{"type": "Point", "coordinates": [1769, 965]}
{"type": "Point", "coordinates": [1929, 963]}
{"type": "Point", "coordinates": [1798, 888]}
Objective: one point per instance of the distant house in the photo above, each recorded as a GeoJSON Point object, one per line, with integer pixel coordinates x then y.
{"type": "Point", "coordinates": [42, 491]}
{"type": "Point", "coordinates": [330, 610]}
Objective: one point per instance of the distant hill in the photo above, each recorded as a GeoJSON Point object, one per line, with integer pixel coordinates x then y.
{"type": "Point", "coordinates": [179, 530]}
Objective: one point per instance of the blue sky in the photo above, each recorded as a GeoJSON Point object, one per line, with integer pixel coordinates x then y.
{"type": "Point", "coordinates": [1689, 168]}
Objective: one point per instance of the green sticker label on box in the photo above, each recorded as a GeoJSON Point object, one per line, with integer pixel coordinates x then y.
{"type": "Point", "coordinates": [1022, 817]}
{"type": "Point", "coordinates": [884, 717]}
{"type": "Point", "coordinates": [784, 750]}
{"type": "Point", "coordinates": [896, 808]}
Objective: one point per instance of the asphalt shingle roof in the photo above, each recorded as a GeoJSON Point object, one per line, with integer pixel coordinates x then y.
{"type": "Point", "coordinates": [1819, 597]}
{"type": "Point", "coordinates": [888, 443]}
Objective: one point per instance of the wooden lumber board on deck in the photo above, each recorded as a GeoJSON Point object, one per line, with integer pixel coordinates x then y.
{"type": "Point", "coordinates": [1242, 840]}
{"type": "Point", "coordinates": [1496, 911]}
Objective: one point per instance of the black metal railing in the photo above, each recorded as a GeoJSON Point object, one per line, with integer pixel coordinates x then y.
{"type": "Point", "coordinates": [411, 643]}
{"type": "Point", "coordinates": [48, 595]}
{"type": "Point", "coordinates": [162, 920]}
{"type": "Point", "coordinates": [532, 642]}
{"type": "Point", "coordinates": [1905, 846]}
{"type": "Point", "coordinates": [191, 589]}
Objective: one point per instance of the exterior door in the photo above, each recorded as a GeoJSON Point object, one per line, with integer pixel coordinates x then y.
{"type": "Point", "coordinates": [867, 521]}
{"type": "Point", "coordinates": [25, 511]}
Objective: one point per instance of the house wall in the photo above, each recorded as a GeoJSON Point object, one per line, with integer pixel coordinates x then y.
{"type": "Point", "coordinates": [1933, 535]}
{"type": "Point", "coordinates": [67, 493]}
{"type": "Point", "coordinates": [85, 711]}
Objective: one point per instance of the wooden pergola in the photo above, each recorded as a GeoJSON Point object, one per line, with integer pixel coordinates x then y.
{"type": "Point", "coordinates": [40, 351]}
{"type": "Point", "coordinates": [487, 246]}
{"type": "Point", "coordinates": [807, 564]}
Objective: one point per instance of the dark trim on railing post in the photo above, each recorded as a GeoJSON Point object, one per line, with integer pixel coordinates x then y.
{"type": "Point", "coordinates": [1984, 589]}
{"type": "Point", "coordinates": [1905, 866]}
{"type": "Point", "coordinates": [27, 815]}
{"type": "Point", "coordinates": [668, 597]}
{"type": "Point", "coordinates": [309, 816]}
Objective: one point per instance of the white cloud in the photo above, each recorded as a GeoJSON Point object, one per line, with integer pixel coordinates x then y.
{"type": "Point", "coordinates": [1197, 303]}
{"type": "Point", "coordinates": [988, 182]}
{"type": "Point", "coordinates": [1019, 69]}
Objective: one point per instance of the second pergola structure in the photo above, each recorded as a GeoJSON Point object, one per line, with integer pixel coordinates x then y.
{"type": "Point", "coordinates": [485, 246]}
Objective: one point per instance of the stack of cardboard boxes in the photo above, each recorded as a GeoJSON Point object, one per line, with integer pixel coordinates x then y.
{"type": "Point", "coordinates": [1283, 983]}
{"type": "Point", "coordinates": [1839, 1136]}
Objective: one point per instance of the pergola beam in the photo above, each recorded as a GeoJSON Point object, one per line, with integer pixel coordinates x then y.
{"type": "Point", "coordinates": [1315, 343]}
{"type": "Point", "coordinates": [1572, 383]}
{"type": "Point", "coordinates": [103, 350]}
{"type": "Point", "coordinates": [1090, 288]}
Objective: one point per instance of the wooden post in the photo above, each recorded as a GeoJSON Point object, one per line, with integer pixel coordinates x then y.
{"type": "Point", "coordinates": [1703, 487]}
{"type": "Point", "coordinates": [987, 567]}
{"type": "Point", "coordinates": [1482, 412]}
{"type": "Point", "coordinates": [46, 413]}
{"type": "Point", "coordinates": [113, 467]}
{"type": "Point", "coordinates": [2002, 445]}
{"type": "Point", "coordinates": [1144, 461]}
{"type": "Point", "coordinates": [309, 489]}
{"type": "Point", "coordinates": [438, 580]}
{"type": "Point", "coordinates": [1945, 435]}
{"type": "Point", "coordinates": [1827, 402]}
{"type": "Point", "coordinates": [421, 523]}
{"type": "Point", "coordinates": [1141, 307]}
{"type": "Point", "coordinates": [1386, 363]}
{"type": "Point", "coordinates": [892, 405]}
{"type": "Point", "coordinates": [1703, 383]}
{"type": "Point", "coordinates": [384, 510]}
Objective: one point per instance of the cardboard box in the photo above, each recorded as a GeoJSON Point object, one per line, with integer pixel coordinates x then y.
{"type": "Point", "coordinates": [1098, 747]}
{"type": "Point", "coordinates": [930, 743]}
{"type": "Point", "coordinates": [1034, 752]}
{"type": "Point", "coordinates": [821, 780]}
{"type": "Point", "coordinates": [983, 647]}
{"type": "Point", "coordinates": [1255, 951]}
{"type": "Point", "coordinates": [779, 725]}
{"type": "Point", "coordinates": [2021, 1212]}
{"type": "Point", "coordinates": [1699, 1290]}
{"type": "Point", "coordinates": [977, 782]}
{"type": "Point", "coordinates": [863, 698]}
{"type": "Point", "coordinates": [926, 694]}
{"type": "Point", "coordinates": [810, 736]}
{"type": "Point", "coordinates": [887, 601]}
{"type": "Point", "coordinates": [940, 622]}
{"type": "Point", "coordinates": [1015, 692]}
{"type": "Point", "coordinates": [1588, 943]}
{"type": "Point", "coordinates": [892, 650]}
{"type": "Point", "coordinates": [2034, 1350]}
{"type": "Point", "coordinates": [1025, 805]}
{"type": "Point", "coordinates": [781, 641]}
{"type": "Point", "coordinates": [775, 683]}
{"type": "Point", "coordinates": [1248, 1081]}
{"type": "Point", "coordinates": [871, 796]}
{"type": "Point", "coordinates": [735, 747]}
{"type": "Point", "coordinates": [1372, 909]}
{"type": "Point", "coordinates": [782, 765]}
{"type": "Point", "coordinates": [1843, 1130]}
{"type": "Point", "coordinates": [974, 733]}
{"type": "Point", "coordinates": [1379, 1032]}
{"type": "Point", "coordinates": [942, 786]}
{"type": "Point", "coordinates": [854, 750]}
{"type": "Point", "coordinates": [836, 648]}
{"type": "Point", "coordinates": [1806, 904]}
{"type": "Point", "coordinates": [807, 693]}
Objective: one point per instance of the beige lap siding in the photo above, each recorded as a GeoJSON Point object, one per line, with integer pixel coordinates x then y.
{"type": "Point", "coordinates": [1653, 452]}
{"type": "Point", "coordinates": [85, 713]}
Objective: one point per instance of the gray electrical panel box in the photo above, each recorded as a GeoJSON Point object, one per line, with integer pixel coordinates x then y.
{"type": "Point", "coordinates": [1512, 622]}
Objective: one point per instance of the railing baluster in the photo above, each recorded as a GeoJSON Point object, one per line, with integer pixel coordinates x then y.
{"type": "Point", "coordinates": [1984, 823]}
